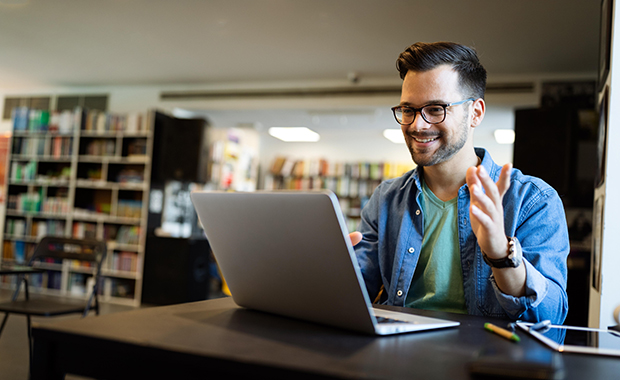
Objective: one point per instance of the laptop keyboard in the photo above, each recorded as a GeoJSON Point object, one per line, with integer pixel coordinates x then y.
{"type": "Point", "coordinates": [388, 320]}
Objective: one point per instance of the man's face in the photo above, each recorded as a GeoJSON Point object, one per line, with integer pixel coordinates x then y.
{"type": "Point", "coordinates": [431, 144]}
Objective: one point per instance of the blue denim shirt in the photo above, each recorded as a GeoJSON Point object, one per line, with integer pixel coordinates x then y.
{"type": "Point", "coordinates": [393, 228]}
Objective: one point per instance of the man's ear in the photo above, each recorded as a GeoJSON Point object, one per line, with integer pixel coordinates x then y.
{"type": "Point", "coordinates": [478, 110]}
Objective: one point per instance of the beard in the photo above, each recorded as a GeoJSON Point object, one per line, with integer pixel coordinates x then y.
{"type": "Point", "coordinates": [446, 150]}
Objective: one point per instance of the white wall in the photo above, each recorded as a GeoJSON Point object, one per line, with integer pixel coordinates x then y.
{"type": "Point", "coordinates": [342, 144]}
{"type": "Point", "coordinates": [605, 299]}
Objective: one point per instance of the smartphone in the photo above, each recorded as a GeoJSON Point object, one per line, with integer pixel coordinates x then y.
{"type": "Point", "coordinates": [520, 364]}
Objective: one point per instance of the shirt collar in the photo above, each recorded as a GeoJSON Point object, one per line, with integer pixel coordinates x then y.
{"type": "Point", "coordinates": [487, 162]}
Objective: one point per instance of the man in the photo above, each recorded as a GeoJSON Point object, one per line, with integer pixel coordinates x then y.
{"type": "Point", "coordinates": [460, 233]}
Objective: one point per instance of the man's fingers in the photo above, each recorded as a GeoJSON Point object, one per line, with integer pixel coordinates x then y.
{"type": "Point", "coordinates": [492, 189]}
{"type": "Point", "coordinates": [481, 217]}
{"type": "Point", "coordinates": [482, 201]}
{"type": "Point", "coordinates": [355, 237]}
{"type": "Point", "coordinates": [471, 177]}
{"type": "Point", "coordinates": [487, 182]}
{"type": "Point", "coordinates": [504, 180]}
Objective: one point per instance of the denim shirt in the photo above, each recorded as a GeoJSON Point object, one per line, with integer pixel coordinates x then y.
{"type": "Point", "coordinates": [393, 228]}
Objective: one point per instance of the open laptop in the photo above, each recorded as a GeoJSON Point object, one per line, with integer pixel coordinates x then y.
{"type": "Point", "coordinates": [289, 253]}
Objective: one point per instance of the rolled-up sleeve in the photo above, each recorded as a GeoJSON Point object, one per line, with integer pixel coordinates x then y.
{"type": "Point", "coordinates": [543, 234]}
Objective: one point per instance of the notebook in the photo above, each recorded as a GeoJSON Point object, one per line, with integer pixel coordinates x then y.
{"type": "Point", "coordinates": [289, 253]}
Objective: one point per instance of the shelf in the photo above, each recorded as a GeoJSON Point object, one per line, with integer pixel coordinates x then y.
{"type": "Point", "coordinates": [120, 274]}
{"type": "Point", "coordinates": [115, 134]}
{"type": "Point", "coordinates": [49, 183]}
{"type": "Point", "coordinates": [104, 218]}
{"type": "Point", "coordinates": [112, 245]}
{"type": "Point", "coordinates": [54, 158]}
{"type": "Point", "coordinates": [54, 173]}
{"type": "Point", "coordinates": [137, 134]}
{"type": "Point", "coordinates": [27, 239]}
{"type": "Point", "coordinates": [110, 134]}
{"type": "Point", "coordinates": [97, 184]}
{"type": "Point", "coordinates": [34, 214]}
{"type": "Point", "coordinates": [42, 134]}
{"type": "Point", "coordinates": [40, 158]}
{"type": "Point", "coordinates": [115, 159]}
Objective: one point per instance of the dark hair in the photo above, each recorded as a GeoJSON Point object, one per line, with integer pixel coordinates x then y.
{"type": "Point", "coordinates": [423, 56]}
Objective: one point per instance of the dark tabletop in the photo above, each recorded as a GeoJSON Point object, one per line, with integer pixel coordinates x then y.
{"type": "Point", "coordinates": [217, 337]}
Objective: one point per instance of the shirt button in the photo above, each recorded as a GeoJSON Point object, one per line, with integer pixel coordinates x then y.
{"type": "Point", "coordinates": [417, 212]}
{"type": "Point", "coordinates": [411, 250]}
{"type": "Point", "coordinates": [399, 293]}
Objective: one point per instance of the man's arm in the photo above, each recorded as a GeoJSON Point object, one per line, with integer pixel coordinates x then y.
{"type": "Point", "coordinates": [543, 235]}
{"type": "Point", "coordinates": [366, 242]}
{"type": "Point", "coordinates": [487, 222]}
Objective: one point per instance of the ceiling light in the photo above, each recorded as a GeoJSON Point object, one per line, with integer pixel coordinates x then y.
{"type": "Point", "coordinates": [504, 136]}
{"type": "Point", "coordinates": [183, 113]}
{"type": "Point", "coordinates": [394, 135]}
{"type": "Point", "coordinates": [294, 134]}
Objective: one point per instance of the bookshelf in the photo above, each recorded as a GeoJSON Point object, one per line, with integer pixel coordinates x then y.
{"type": "Point", "coordinates": [352, 182]}
{"type": "Point", "coordinates": [84, 174]}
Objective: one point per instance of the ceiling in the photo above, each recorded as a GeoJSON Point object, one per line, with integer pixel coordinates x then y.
{"type": "Point", "coordinates": [230, 42]}
{"type": "Point", "coordinates": [125, 42]}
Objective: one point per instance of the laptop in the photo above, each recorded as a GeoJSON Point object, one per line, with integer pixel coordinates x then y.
{"type": "Point", "coordinates": [289, 253]}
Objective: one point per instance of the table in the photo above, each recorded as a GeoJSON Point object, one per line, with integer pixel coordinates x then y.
{"type": "Point", "coordinates": [215, 338]}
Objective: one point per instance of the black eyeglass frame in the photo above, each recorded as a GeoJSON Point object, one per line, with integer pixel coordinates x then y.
{"type": "Point", "coordinates": [419, 110]}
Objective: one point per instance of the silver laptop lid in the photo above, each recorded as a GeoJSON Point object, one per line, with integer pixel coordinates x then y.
{"type": "Point", "coordinates": [288, 253]}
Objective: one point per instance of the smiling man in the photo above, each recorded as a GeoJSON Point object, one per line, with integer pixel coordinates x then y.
{"type": "Point", "coordinates": [460, 233]}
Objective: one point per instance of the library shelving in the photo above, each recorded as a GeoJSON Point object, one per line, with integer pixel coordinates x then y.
{"type": "Point", "coordinates": [352, 182]}
{"type": "Point", "coordinates": [84, 174]}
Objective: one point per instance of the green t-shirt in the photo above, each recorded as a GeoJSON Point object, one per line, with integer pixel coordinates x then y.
{"type": "Point", "coordinates": [438, 279]}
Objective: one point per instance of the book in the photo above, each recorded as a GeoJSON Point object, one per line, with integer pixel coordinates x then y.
{"type": "Point", "coordinates": [277, 164]}
{"type": "Point", "coordinates": [54, 121]}
{"type": "Point", "coordinates": [19, 251]}
{"type": "Point", "coordinates": [65, 122]}
{"type": "Point", "coordinates": [102, 122]}
{"type": "Point", "coordinates": [287, 167]}
{"type": "Point", "coordinates": [20, 118]}
{"type": "Point", "coordinates": [133, 123]}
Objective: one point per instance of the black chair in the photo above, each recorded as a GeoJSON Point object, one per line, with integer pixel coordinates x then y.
{"type": "Point", "coordinates": [59, 248]}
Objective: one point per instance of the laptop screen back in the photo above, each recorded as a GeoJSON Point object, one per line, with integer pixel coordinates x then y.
{"type": "Point", "coordinates": [286, 253]}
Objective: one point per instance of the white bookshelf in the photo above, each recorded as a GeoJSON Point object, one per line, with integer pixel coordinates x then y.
{"type": "Point", "coordinates": [90, 180]}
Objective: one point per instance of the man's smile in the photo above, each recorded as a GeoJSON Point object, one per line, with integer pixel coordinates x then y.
{"type": "Point", "coordinates": [424, 138]}
{"type": "Point", "coordinates": [420, 140]}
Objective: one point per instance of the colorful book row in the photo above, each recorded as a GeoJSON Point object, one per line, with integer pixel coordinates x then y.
{"type": "Point", "coordinates": [124, 261]}
{"type": "Point", "coordinates": [288, 167]}
{"type": "Point", "coordinates": [26, 119]}
{"type": "Point", "coordinates": [17, 227]}
{"type": "Point", "coordinates": [34, 120]}
{"type": "Point", "coordinates": [107, 122]}
{"type": "Point", "coordinates": [341, 186]}
{"type": "Point", "coordinates": [17, 251]}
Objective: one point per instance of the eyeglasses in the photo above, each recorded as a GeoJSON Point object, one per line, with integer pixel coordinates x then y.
{"type": "Point", "coordinates": [431, 113]}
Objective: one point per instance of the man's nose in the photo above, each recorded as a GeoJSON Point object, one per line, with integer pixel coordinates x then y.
{"type": "Point", "coordinates": [419, 124]}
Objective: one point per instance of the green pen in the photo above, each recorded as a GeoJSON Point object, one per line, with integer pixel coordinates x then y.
{"type": "Point", "coordinates": [502, 332]}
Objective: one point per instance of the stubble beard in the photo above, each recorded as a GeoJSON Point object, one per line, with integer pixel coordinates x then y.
{"type": "Point", "coordinates": [445, 151]}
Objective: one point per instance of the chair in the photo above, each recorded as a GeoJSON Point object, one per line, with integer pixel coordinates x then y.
{"type": "Point", "coordinates": [84, 250]}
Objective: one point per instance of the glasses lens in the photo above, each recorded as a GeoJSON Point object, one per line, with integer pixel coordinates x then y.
{"type": "Point", "coordinates": [434, 113]}
{"type": "Point", "coordinates": [404, 115]}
